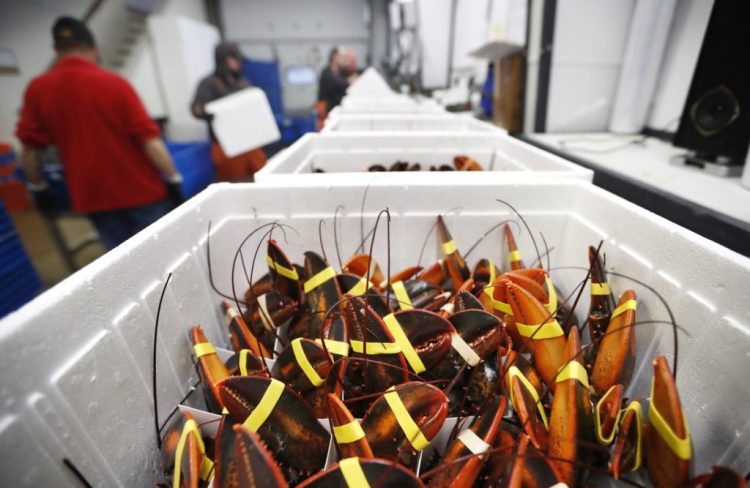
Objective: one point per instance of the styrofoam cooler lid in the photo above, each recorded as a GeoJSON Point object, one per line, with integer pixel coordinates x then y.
{"type": "Point", "coordinates": [243, 121]}
{"type": "Point", "coordinates": [369, 83]}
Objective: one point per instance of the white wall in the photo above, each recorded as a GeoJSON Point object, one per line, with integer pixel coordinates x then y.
{"type": "Point", "coordinates": [297, 32]}
{"type": "Point", "coordinates": [589, 43]}
{"type": "Point", "coordinates": [681, 56]}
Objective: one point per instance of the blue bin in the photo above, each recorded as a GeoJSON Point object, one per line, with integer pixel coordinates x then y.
{"type": "Point", "coordinates": [193, 161]}
{"type": "Point", "coordinates": [15, 268]}
{"type": "Point", "coordinates": [265, 75]}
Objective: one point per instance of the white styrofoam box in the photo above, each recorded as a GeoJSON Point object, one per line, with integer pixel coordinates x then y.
{"type": "Point", "coordinates": [345, 157]}
{"type": "Point", "coordinates": [243, 121]}
{"type": "Point", "coordinates": [408, 122]}
{"type": "Point", "coordinates": [76, 361]}
{"type": "Point", "coordinates": [369, 84]}
{"type": "Point", "coordinates": [385, 105]}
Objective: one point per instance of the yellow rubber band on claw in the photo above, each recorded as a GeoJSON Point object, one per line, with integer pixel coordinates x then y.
{"type": "Point", "coordinates": [304, 363]}
{"type": "Point", "coordinates": [551, 304]}
{"type": "Point", "coordinates": [449, 247]}
{"type": "Point", "coordinates": [375, 348]}
{"type": "Point", "coordinates": [514, 372]}
{"type": "Point", "coordinates": [550, 330]}
{"type": "Point", "coordinates": [348, 433]}
{"type": "Point", "coordinates": [499, 305]}
{"type": "Point", "coordinates": [353, 473]}
{"type": "Point", "coordinates": [203, 349]}
{"type": "Point", "coordinates": [407, 424]}
{"type": "Point", "coordinates": [599, 288]}
{"type": "Point", "coordinates": [319, 279]}
{"type": "Point", "coordinates": [391, 322]}
{"type": "Point", "coordinates": [605, 441]}
{"type": "Point", "coordinates": [682, 448]}
{"type": "Point", "coordinates": [290, 273]}
{"type": "Point", "coordinates": [265, 406]}
{"type": "Point", "coordinates": [335, 347]}
{"type": "Point", "coordinates": [514, 256]}
{"type": "Point", "coordinates": [243, 361]}
{"type": "Point", "coordinates": [573, 371]}
{"type": "Point", "coordinates": [404, 302]}
{"type": "Point", "coordinates": [360, 288]}
{"type": "Point", "coordinates": [629, 305]}
{"type": "Point", "coordinates": [191, 427]}
{"type": "Point", "coordinates": [635, 406]}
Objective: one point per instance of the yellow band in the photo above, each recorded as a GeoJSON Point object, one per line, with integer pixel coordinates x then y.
{"type": "Point", "coordinates": [335, 347]}
{"type": "Point", "coordinates": [203, 349]}
{"type": "Point", "coordinates": [599, 288]}
{"type": "Point", "coordinates": [406, 347]}
{"type": "Point", "coordinates": [514, 256]}
{"type": "Point", "coordinates": [348, 433]}
{"type": "Point", "coordinates": [404, 302]}
{"type": "Point", "coordinates": [191, 427]}
{"type": "Point", "coordinates": [573, 371]}
{"type": "Point", "coordinates": [407, 424]}
{"type": "Point", "coordinates": [550, 330]}
{"type": "Point", "coordinates": [319, 279]}
{"type": "Point", "coordinates": [629, 305]}
{"type": "Point", "coordinates": [681, 447]}
{"type": "Point", "coordinates": [360, 288]}
{"type": "Point", "coordinates": [449, 247]}
{"type": "Point", "coordinates": [605, 441]}
{"type": "Point", "coordinates": [514, 372]}
{"type": "Point", "coordinates": [493, 271]}
{"type": "Point", "coordinates": [464, 350]}
{"type": "Point", "coordinates": [635, 406]}
{"type": "Point", "coordinates": [353, 473]}
{"type": "Point", "coordinates": [290, 273]}
{"type": "Point", "coordinates": [551, 304]}
{"type": "Point", "coordinates": [265, 317]}
{"type": "Point", "coordinates": [243, 361]}
{"type": "Point", "coordinates": [304, 363]}
{"type": "Point", "coordinates": [265, 406]}
{"type": "Point", "coordinates": [497, 304]}
{"type": "Point", "coordinates": [375, 348]}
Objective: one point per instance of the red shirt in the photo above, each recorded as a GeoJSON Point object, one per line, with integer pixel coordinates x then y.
{"type": "Point", "coordinates": [98, 124]}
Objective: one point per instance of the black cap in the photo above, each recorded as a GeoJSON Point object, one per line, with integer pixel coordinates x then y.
{"type": "Point", "coordinates": [69, 32]}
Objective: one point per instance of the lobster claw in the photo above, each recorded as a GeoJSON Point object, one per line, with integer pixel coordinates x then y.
{"type": "Point", "coordinates": [347, 431]}
{"type": "Point", "coordinates": [355, 286]}
{"type": "Point", "coordinates": [184, 453]}
{"type": "Point", "coordinates": [269, 310]}
{"type": "Point", "coordinates": [240, 335]}
{"type": "Point", "coordinates": [424, 337]}
{"type": "Point", "coordinates": [255, 465]}
{"type": "Point", "coordinates": [600, 310]}
{"type": "Point", "coordinates": [358, 265]}
{"type": "Point", "coordinates": [528, 406]}
{"type": "Point", "coordinates": [480, 330]}
{"type": "Point", "coordinates": [571, 421]}
{"type": "Point", "coordinates": [615, 360]}
{"type": "Point", "coordinates": [536, 325]}
{"type": "Point", "coordinates": [455, 264]}
{"type": "Point", "coordinates": [280, 417]}
{"type": "Point", "coordinates": [355, 472]}
{"type": "Point", "coordinates": [466, 163]}
{"type": "Point", "coordinates": [283, 272]}
{"type": "Point", "coordinates": [412, 414]}
{"type": "Point", "coordinates": [531, 469]}
{"type": "Point", "coordinates": [463, 300]}
{"type": "Point", "coordinates": [321, 291]}
{"type": "Point", "coordinates": [210, 367]}
{"type": "Point", "coordinates": [607, 415]}
{"type": "Point", "coordinates": [514, 255]}
{"type": "Point", "coordinates": [669, 450]}
{"type": "Point", "coordinates": [475, 440]}
{"type": "Point", "coordinates": [627, 455]}
{"type": "Point", "coordinates": [303, 366]}
{"type": "Point", "coordinates": [245, 363]}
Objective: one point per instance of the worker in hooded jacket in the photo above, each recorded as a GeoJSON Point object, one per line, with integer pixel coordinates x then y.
{"type": "Point", "coordinates": [226, 79]}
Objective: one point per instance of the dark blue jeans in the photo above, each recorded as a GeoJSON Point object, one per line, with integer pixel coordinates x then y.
{"type": "Point", "coordinates": [117, 226]}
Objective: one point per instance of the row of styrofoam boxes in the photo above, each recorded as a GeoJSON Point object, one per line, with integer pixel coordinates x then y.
{"type": "Point", "coordinates": [409, 122]}
{"type": "Point", "coordinates": [77, 361]}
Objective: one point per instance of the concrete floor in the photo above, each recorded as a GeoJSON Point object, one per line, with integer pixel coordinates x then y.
{"type": "Point", "coordinates": [44, 252]}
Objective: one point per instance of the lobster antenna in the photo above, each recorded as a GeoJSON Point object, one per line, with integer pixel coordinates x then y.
{"type": "Point", "coordinates": [362, 220]}
{"type": "Point", "coordinates": [153, 363]}
{"type": "Point", "coordinates": [488, 231]}
{"type": "Point", "coordinates": [336, 235]}
{"type": "Point", "coordinates": [546, 250]}
{"type": "Point", "coordinates": [77, 473]}
{"type": "Point", "coordinates": [321, 223]}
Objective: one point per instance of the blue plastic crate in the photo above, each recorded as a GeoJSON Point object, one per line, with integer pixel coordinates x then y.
{"type": "Point", "coordinates": [193, 161]}
{"type": "Point", "coordinates": [7, 158]}
{"type": "Point", "coordinates": [265, 75]}
{"type": "Point", "coordinates": [15, 268]}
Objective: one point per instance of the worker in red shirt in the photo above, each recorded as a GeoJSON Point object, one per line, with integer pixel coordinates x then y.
{"type": "Point", "coordinates": [117, 169]}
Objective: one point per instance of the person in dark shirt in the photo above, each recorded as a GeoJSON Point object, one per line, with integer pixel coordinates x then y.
{"type": "Point", "coordinates": [336, 78]}
{"type": "Point", "coordinates": [226, 79]}
{"type": "Point", "coordinates": [117, 169]}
